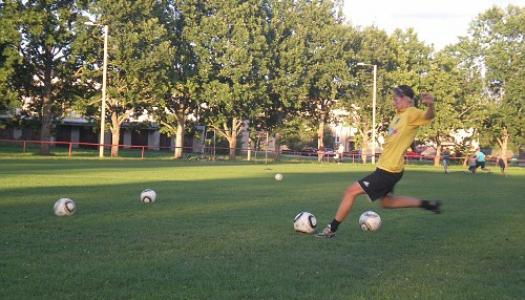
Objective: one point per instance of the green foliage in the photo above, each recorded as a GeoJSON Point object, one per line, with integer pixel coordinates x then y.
{"type": "Point", "coordinates": [373, 47]}
{"type": "Point", "coordinates": [176, 83]}
{"type": "Point", "coordinates": [298, 134]}
{"type": "Point", "coordinates": [400, 59]}
{"type": "Point", "coordinates": [445, 81]}
{"type": "Point", "coordinates": [285, 71]}
{"type": "Point", "coordinates": [232, 43]}
{"type": "Point", "coordinates": [9, 58]}
{"type": "Point", "coordinates": [137, 45]}
{"type": "Point", "coordinates": [46, 73]}
{"type": "Point", "coordinates": [327, 45]}
{"type": "Point", "coordinates": [138, 52]}
{"type": "Point", "coordinates": [256, 62]}
{"type": "Point", "coordinates": [498, 37]}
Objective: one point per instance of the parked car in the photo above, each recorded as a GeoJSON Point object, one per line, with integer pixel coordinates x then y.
{"type": "Point", "coordinates": [428, 153]}
{"type": "Point", "coordinates": [286, 150]}
{"type": "Point", "coordinates": [329, 152]}
{"type": "Point", "coordinates": [412, 155]}
{"type": "Point", "coordinates": [309, 151]}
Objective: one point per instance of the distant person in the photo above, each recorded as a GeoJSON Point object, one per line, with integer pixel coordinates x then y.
{"type": "Point", "coordinates": [339, 155]}
{"type": "Point", "coordinates": [445, 160]}
{"type": "Point", "coordinates": [502, 165]}
{"type": "Point", "coordinates": [472, 164]}
{"type": "Point", "coordinates": [379, 185]}
{"type": "Point", "coordinates": [480, 159]}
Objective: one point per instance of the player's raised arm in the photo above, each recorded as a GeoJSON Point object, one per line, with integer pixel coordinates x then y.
{"type": "Point", "coordinates": [428, 100]}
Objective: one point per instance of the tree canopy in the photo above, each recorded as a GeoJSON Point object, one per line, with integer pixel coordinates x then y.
{"type": "Point", "coordinates": [279, 66]}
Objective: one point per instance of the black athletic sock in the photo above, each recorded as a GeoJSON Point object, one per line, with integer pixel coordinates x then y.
{"type": "Point", "coordinates": [334, 225]}
{"type": "Point", "coordinates": [429, 205]}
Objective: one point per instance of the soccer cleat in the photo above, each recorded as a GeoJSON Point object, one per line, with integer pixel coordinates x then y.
{"type": "Point", "coordinates": [326, 233]}
{"type": "Point", "coordinates": [435, 206]}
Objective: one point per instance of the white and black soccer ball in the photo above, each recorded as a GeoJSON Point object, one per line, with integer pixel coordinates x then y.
{"type": "Point", "coordinates": [279, 176]}
{"type": "Point", "coordinates": [64, 207]}
{"type": "Point", "coordinates": [148, 196]}
{"type": "Point", "coordinates": [369, 221]}
{"type": "Point", "coordinates": [304, 222]}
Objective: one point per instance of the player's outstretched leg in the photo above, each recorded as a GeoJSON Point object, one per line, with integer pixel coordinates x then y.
{"type": "Point", "coordinates": [391, 201]}
{"type": "Point", "coordinates": [349, 196]}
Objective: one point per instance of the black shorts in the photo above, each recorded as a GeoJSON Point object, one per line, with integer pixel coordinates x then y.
{"type": "Point", "coordinates": [379, 183]}
{"type": "Point", "coordinates": [480, 164]}
{"type": "Point", "coordinates": [501, 163]}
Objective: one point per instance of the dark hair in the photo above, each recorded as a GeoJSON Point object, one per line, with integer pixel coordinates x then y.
{"type": "Point", "coordinates": [404, 90]}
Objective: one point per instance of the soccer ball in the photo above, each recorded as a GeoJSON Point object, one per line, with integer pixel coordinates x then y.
{"type": "Point", "coordinates": [278, 177]}
{"type": "Point", "coordinates": [304, 222]}
{"type": "Point", "coordinates": [148, 196]}
{"type": "Point", "coordinates": [64, 207]}
{"type": "Point", "coordinates": [369, 221]}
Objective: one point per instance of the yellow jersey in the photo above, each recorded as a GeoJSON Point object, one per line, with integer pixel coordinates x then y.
{"type": "Point", "coordinates": [400, 136]}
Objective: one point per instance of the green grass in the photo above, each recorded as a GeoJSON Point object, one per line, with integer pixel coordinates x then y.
{"type": "Point", "coordinates": [224, 231]}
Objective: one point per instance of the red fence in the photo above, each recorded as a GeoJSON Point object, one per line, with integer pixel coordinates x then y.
{"type": "Point", "coordinates": [211, 152]}
{"type": "Point", "coordinates": [24, 144]}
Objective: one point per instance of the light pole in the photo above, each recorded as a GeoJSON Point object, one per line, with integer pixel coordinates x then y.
{"type": "Point", "coordinates": [373, 110]}
{"type": "Point", "coordinates": [104, 79]}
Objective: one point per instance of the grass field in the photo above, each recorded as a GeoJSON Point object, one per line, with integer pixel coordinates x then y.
{"type": "Point", "coordinates": [224, 231]}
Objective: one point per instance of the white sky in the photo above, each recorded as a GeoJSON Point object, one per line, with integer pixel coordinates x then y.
{"type": "Point", "coordinates": [437, 22]}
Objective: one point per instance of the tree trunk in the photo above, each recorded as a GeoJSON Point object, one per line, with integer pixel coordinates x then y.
{"type": "Point", "coordinates": [233, 139]}
{"type": "Point", "coordinates": [320, 135]}
{"type": "Point", "coordinates": [115, 134]}
{"type": "Point", "coordinates": [47, 114]}
{"type": "Point", "coordinates": [179, 137]}
{"type": "Point", "coordinates": [233, 145]}
{"type": "Point", "coordinates": [45, 129]}
{"type": "Point", "coordinates": [277, 147]}
{"type": "Point", "coordinates": [465, 159]}
{"type": "Point", "coordinates": [230, 133]}
{"type": "Point", "coordinates": [364, 147]}
{"type": "Point", "coordinates": [115, 140]}
{"type": "Point", "coordinates": [503, 144]}
{"type": "Point", "coordinates": [249, 154]}
{"type": "Point", "coordinates": [437, 158]}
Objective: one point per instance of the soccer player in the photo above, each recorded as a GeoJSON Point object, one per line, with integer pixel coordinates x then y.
{"type": "Point", "coordinates": [472, 164]}
{"type": "Point", "coordinates": [339, 155]}
{"type": "Point", "coordinates": [480, 159]}
{"type": "Point", "coordinates": [445, 159]}
{"type": "Point", "coordinates": [502, 165]}
{"type": "Point", "coordinates": [379, 185]}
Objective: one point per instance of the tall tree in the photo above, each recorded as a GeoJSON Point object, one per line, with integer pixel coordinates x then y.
{"type": "Point", "coordinates": [468, 107]}
{"type": "Point", "coordinates": [138, 48]}
{"type": "Point", "coordinates": [285, 72]}
{"type": "Point", "coordinates": [9, 57]}
{"type": "Point", "coordinates": [445, 81]}
{"type": "Point", "coordinates": [375, 47]}
{"type": "Point", "coordinates": [412, 58]}
{"type": "Point", "coordinates": [499, 35]}
{"type": "Point", "coordinates": [178, 82]}
{"type": "Point", "coordinates": [46, 76]}
{"type": "Point", "coordinates": [231, 46]}
{"type": "Point", "coordinates": [325, 51]}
